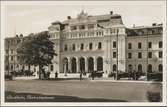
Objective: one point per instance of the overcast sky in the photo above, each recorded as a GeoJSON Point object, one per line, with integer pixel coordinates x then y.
{"type": "Point", "coordinates": [27, 19]}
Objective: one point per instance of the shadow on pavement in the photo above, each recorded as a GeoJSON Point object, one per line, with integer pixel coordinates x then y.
{"type": "Point", "coordinates": [31, 97]}
{"type": "Point", "coordinates": [62, 79]}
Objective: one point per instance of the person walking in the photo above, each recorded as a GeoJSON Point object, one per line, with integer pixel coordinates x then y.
{"type": "Point", "coordinates": [80, 76]}
{"type": "Point", "coordinates": [56, 74]}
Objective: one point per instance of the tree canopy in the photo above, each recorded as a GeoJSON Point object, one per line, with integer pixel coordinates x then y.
{"type": "Point", "coordinates": [36, 49]}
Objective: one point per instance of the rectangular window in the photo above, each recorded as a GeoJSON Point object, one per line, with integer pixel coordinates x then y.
{"type": "Point", "coordinates": [149, 54]}
{"type": "Point", "coordinates": [139, 55]}
{"type": "Point", "coordinates": [51, 67]}
{"type": "Point", "coordinates": [114, 44]}
{"type": "Point", "coordinates": [82, 46]}
{"type": "Point", "coordinates": [18, 57]}
{"type": "Point", "coordinates": [90, 46]}
{"type": "Point", "coordinates": [160, 44]}
{"type": "Point", "coordinates": [129, 55]}
{"type": "Point", "coordinates": [11, 67]}
{"type": "Point", "coordinates": [65, 48]}
{"type": "Point", "coordinates": [73, 47]}
{"type": "Point", "coordinates": [139, 45]}
{"type": "Point", "coordinates": [129, 46]}
{"type": "Point", "coordinates": [114, 54]}
{"type": "Point", "coordinates": [99, 45]}
{"type": "Point", "coordinates": [11, 58]}
{"type": "Point", "coordinates": [90, 26]}
{"type": "Point", "coordinates": [73, 28]}
{"type": "Point", "coordinates": [81, 27]}
{"type": "Point", "coordinates": [149, 44]}
{"type": "Point", "coordinates": [11, 51]}
{"type": "Point", "coordinates": [160, 54]}
{"type": "Point", "coordinates": [6, 51]}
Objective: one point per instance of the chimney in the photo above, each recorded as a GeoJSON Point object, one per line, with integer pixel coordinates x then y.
{"type": "Point", "coordinates": [68, 17]}
{"type": "Point", "coordinates": [154, 24]}
{"type": "Point", "coordinates": [111, 12]}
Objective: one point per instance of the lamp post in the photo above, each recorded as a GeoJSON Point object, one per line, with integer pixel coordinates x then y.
{"type": "Point", "coordinates": [147, 55]}
{"type": "Point", "coordinates": [117, 54]}
{"type": "Point", "coordinates": [65, 68]}
{"type": "Point", "coordinates": [8, 56]}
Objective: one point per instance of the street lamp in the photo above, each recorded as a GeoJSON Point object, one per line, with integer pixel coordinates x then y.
{"type": "Point", "coordinates": [117, 54]}
{"type": "Point", "coordinates": [8, 57]}
{"type": "Point", "coordinates": [65, 68]}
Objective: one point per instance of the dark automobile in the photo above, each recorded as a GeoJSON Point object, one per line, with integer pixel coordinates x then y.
{"type": "Point", "coordinates": [97, 74]}
{"type": "Point", "coordinates": [121, 74]}
{"type": "Point", "coordinates": [8, 77]}
{"type": "Point", "coordinates": [156, 76]}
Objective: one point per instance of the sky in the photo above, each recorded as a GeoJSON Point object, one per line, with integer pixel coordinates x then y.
{"type": "Point", "coordinates": [34, 18]}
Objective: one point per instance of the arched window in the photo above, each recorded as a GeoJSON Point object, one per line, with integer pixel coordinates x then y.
{"type": "Point", "coordinates": [130, 67]}
{"type": "Point", "coordinates": [65, 65]}
{"type": "Point", "coordinates": [149, 68]}
{"type": "Point", "coordinates": [73, 65]}
{"type": "Point", "coordinates": [99, 64]}
{"type": "Point", "coordinates": [160, 67]}
{"type": "Point", "coordinates": [114, 67]}
{"type": "Point", "coordinates": [82, 64]}
{"type": "Point", "coordinates": [90, 64]}
{"type": "Point", "coordinates": [140, 68]}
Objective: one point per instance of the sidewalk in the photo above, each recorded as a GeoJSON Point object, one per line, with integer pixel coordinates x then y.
{"type": "Point", "coordinates": [72, 77]}
{"type": "Point", "coordinates": [123, 80]}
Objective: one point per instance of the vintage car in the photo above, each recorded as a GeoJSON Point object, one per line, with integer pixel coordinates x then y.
{"type": "Point", "coordinates": [97, 74]}
{"type": "Point", "coordinates": [8, 76]}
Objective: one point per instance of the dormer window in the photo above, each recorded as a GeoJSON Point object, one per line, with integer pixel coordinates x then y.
{"type": "Point", "coordinates": [140, 33]}
{"type": "Point", "coordinates": [73, 28]}
{"type": "Point", "coordinates": [81, 27]}
{"type": "Point", "coordinates": [90, 26]}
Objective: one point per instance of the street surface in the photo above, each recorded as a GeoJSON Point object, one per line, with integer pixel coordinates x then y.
{"type": "Point", "coordinates": [86, 89]}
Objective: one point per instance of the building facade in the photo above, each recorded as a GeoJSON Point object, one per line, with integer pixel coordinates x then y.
{"type": "Point", "coordinates": [104, 43]}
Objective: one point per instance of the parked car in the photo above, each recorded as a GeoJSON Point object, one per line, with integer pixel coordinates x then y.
{"type": "Point", "coordinates": [131, 75]}
{"type": "Point", "coordinates": [8, 76]}
{"type": "Point", "coordinates": [156, 76]}
{"type": "Point", "coordinates": [97, 74]}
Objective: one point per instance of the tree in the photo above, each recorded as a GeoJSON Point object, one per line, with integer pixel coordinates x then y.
{"type": "Point", "coordinates": [37, 50]}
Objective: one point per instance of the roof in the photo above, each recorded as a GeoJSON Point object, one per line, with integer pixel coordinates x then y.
{"type": "Point", "coordinates": [144, 30]}
{"type": "Point", "coordinates": [84, 17]}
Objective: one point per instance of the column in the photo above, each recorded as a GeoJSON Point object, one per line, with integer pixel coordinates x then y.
{"type": "Point", "coordinates": [95, 63]}
{"type": "Point", "coordinates": [86, 64]}
{"type": "Point", "coordinates": [77, 62]}
{"type": "Point", "coordinates": [69, 65]}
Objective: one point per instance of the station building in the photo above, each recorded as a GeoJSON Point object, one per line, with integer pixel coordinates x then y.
{"type": "Point", "coordinates": [100, 43]}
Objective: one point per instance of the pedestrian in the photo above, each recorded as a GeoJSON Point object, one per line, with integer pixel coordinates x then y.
{"type": "Point", "coordinates": [93, 75]}
{"type": "Point", "coordinates": [48, 75]}
{"type": "Point", "coordinates": [80, 76]}
{"type": "Point", "coordinates": [56, 74]}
